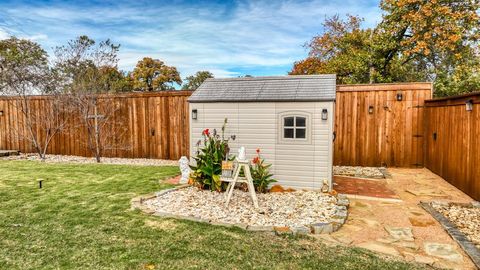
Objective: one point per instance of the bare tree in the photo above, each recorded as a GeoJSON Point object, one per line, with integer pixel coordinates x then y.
{"type": "Point", "coordinates": [81, 62]}
{"type": "Point", "coordinates": [25, 72]}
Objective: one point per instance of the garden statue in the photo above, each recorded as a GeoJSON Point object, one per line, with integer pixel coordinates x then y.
{"type": "Point", "coordinates": [242, 155]}
{"type": "Point", "coordinates": [183, 163]}
{"type": "Point", "coordinates": [325, 187]}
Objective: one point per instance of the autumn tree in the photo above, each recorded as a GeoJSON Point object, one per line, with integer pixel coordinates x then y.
{"type": "Point", "coordinates": [24, 72]}
{"type": "Point", "coordinates": [417, 40]}
{"type": "Point", "coordinates": [153, 75]}
{"type": "Point", "coordinates": [443, 34]}
{"type": "Point", "coordinates": [85, 66]}
{"type": "Point", "coordinates": [353, 53]}
{"type": "Point", "coordinates": [194, 81]}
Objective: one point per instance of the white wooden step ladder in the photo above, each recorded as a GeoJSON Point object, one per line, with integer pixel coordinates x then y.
{"type": "Point", "coordinates": [236, 178]}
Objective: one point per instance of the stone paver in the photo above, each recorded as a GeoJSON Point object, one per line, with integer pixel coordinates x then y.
{"type": "Point", "coordinates": [424, 259]}
{"type": "Point", "coordinates": [380, 247]}
{"type": "Point", "coordinates": [399, 233]}
{"type": "Point", "coordinates": [367, 219]}
{"type": "Point", "coordinates": [421, 221]}
{"type": "Point", "coordinates": [445, 251]}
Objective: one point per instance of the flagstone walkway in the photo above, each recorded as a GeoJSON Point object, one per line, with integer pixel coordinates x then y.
{"type": "Point", "coordinates": [403, 228]}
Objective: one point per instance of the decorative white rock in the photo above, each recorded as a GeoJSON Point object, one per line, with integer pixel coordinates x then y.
{"type": "Point", "coordinates": [297, 210]}
{"type": "Point", "coordinates": [185, 169]}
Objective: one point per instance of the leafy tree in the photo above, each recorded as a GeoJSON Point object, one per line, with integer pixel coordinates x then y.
{"type": "Point", "coordinates": [152, 75]}
{"type": "Point", "coordinates": [417, 40]}
{"type": "Point", "coordinates": [443, 34]}
{"type": "Point", "coordinates": [115, 80]}
{"type": "Point", "coordinates": [354, 54]}
{"type": "Point", "coordinates": [194, 81]}
{"type": "Point", "coordinates": [431, 29]}
{"type": "Point", "coordinates": [25, 71]}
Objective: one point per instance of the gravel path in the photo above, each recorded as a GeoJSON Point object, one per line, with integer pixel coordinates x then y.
{"type": "Point", "coordinates": [105, 160]}
{"type": "Point", "coordinates": [467, 219]}
{"type": "Point", "coordinates": [292, 209]}
{"type": "Point", "coordinates": [357, 171]}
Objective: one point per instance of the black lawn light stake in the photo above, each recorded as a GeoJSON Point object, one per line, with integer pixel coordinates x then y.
{"type": "Point", "coordinates": [40, 182]}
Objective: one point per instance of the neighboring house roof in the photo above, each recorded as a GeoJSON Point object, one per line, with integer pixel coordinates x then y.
{"type": "Point", "coordinates": [264, 89]}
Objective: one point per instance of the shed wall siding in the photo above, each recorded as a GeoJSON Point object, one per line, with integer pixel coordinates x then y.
{"type": "Point", "coordinates": [257, 125]}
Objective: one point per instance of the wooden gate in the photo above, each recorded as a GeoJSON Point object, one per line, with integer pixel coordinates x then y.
{"type": "Point", "coordinates": [380, 124]}
{"type": "Point", "coordinates": [452, 137]}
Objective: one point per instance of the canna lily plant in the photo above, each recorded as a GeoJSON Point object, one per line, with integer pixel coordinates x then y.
{"type": "Point", "coordinates": [212, 150]}
{"type": "Point", "coordinates": [262, 178]}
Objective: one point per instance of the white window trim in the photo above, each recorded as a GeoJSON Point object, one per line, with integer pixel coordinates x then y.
{"type": "Point", "coordinates": [308, 128]}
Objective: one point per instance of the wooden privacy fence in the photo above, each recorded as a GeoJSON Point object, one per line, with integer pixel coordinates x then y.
{"type": "Point", "coordinates": [380, 124]}
{"type": "Point", "coordinates": [453, 141]}
{"type": "Point", "coordinates": [372, 127]}
{"type": "Point", "coordinates": [392, 125]}
{"type": "Point", "coordinates": [156, 126]}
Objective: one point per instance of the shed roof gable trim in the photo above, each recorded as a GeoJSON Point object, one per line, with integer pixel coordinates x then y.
{"type": "Point", "coordinates": [267, 89]}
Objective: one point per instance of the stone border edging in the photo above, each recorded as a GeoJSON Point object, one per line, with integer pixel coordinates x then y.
{"type": "Point", "coordinates": [385, 172]}
{"type": "Point", "coordinates": [339, 218]}
{"type": "Point", "coordinates": [453, 231]}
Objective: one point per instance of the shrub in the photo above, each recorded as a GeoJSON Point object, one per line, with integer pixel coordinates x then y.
{"type": "Point", "coordinates": [260, 173]}
{"type": "Point", "coordinates": [206, 174]}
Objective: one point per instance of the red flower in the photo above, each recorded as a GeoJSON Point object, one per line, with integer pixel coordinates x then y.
{"type": "Point", "coordinates": [206, 132]}
{"type": "Point", "coordinates": [255, 160]}
{"type": "Point", "coordinates": [258, 150]}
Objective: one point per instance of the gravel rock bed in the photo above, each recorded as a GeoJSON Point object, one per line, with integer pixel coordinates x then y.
{"type": "Point", "coordinates": [465, 217]}
{"type": "Point", "coordinates": [289, 209]}
{"type": "Point", "coordinates": [357, 171]}
{"type": "Point", "coordinates": [89, 160]}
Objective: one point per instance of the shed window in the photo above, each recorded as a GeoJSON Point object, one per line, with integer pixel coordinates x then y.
{"type": "Point", "coordinates": [294, 127]}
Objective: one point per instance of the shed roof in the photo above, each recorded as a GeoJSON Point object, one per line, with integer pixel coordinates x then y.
{"type": "Point", "coordinates": [264, 89]}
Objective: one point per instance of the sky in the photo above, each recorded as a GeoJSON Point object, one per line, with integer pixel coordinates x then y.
{"type": "Point", "coordinates": [227, 38]}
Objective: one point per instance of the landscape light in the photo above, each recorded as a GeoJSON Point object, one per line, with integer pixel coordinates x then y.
{"type": "Point", "coordinates": [1, 113]}
{"type": "Point", "coordinates": [469, 105]}
{"type": "Point", "coordinates": [399, 96]}
{"type": "Point", "coordinates": [324, 114]}
{"type": "Point", "coordinates": [194, 114]}
{"type": "Point", "coordinates": [370, 110]}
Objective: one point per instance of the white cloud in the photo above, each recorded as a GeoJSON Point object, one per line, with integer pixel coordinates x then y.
{"type": "Point", "coordinates": [4, 34]}
{"type": "Point", "coordinates": [252, 35]}
{"type": "Point", "coordinates": [37, 37]}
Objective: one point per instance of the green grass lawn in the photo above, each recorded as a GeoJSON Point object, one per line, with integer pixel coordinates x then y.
{"type": "Point", "coordinates": [81, 218]}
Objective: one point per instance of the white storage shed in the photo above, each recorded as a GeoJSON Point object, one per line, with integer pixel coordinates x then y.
{"type": "Point", "coordinates": [290, 118]}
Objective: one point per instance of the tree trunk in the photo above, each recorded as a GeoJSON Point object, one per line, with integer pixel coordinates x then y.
{"type": "Point", "coordinates": [97, 137]}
